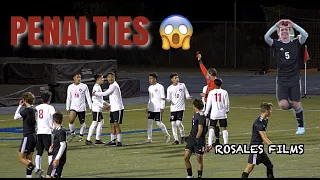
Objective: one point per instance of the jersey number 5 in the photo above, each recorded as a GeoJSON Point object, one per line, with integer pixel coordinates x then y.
{"type": "Point", "coordinates": [218, 97]}
{"type": "Point", "coordinates": [287, 55]}
{"type": "Point", "coordinates": [40, 114]}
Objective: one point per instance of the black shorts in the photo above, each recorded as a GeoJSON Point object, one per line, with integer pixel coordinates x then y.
{"type": "Point", "coordinates": [193, 147]}
{"type": "Point", "coordinates": [288, 90]}
{"type": "Point", "coordinates": [157, 116]}
{"type": "Point", "coordinates": [258, 158]}
{"type": "Point", "coordinates": [81, 116]}
{"type": "Point", "coordinates": [44, 142]}
{"type": "Point", "coordinates": [97, 116]}
{"type": "Point", "coordinates": [176, 116]}
{"type": "Point", "coordinates": [55, 172]}
{"type": "Point", "coordinates": [28, 143]}
{"type": "Point", "coordinates": [116, 116]}
{"type": "Point", "coordinates": [222, 122]}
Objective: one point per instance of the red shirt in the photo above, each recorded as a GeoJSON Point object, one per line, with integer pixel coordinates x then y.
{"type": "Point", "coordinates": [210, 83]}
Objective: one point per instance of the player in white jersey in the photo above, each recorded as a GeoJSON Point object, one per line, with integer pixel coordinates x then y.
{"type": "Point", "coordinates": [156, 107]}
{"type": "Point", "coordinates": [77, 94]}
{"type": "Point", "coordinates": [116, 109]}
{"type": "Point", "coordinates": [98, 104]}
{"type": "Point", "coordinates": [176, 94]}
{"type": "Point", "coordinates": [44, 130]}
{"type": "Point", "coordinates": [218, 103]}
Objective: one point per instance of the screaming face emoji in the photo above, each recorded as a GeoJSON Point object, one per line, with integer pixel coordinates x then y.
{"type": "Point", "coordinates": [176, 32]}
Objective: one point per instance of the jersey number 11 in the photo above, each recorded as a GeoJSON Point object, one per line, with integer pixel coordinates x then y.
{"type": "Point", "coordinates": [218, 97]}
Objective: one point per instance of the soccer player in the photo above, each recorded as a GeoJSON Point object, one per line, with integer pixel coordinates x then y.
{"type": "Point", "coordinates": [203, 94]}
{"type": "Point", "coordinates": [258, 137]}
{"type": "Point", "coordinates": [58, 148]}
{"type": "Point", "coordinates": [29, 142]}
{"type": "Point", "coordinates": [196, 140]}
{"type": "Point", "coordinates": [176, 94]}
{"type": "Point", "coordinates": [44, 130]}
{"type": "Point", "coordinates": [116, 109]}
{"type": "Point", "coordinates": [77, 94]}
{"type": "Point", "coordinates": [97, 105]}
{"type": "Point", "coordinates": [210, 75]}
{"type": "Point", "coordinates": [156, 106]}
{"type": "Point", "coordinates": [286, 53]}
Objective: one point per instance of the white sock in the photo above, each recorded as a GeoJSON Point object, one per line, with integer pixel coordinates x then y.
{"type": "Point", "coordinates": [211, 136]}
{"type": "Point", "coordinates": [38, 162]}
{"type": "Point", "coordinates": [225, 135]}
{"type": "Point", "coordinates": [181, 128]}
{"type": "Point", "coordinates": [49, 159]}
{"type": "Point", "coordinates": [119, 138]}
{"type": "Point", "coordinates": [29, 176]}
{"type": "Point", "coordinates": [149, 131]}
{"type": "Point", "coordinates": [163, 128]}
{"type": "Point", "coordinates": [99, 130]}
{"type": "Point", "coordinates": [82, 128]}
{"type": "Point", "coordinates": [91, 130]}
{"type": "Point", "coordinates": [174, 130]}
{"type": "Point", "coordinates": [113, 137]}
{"type": "Point", "coordinates": [72, 128]}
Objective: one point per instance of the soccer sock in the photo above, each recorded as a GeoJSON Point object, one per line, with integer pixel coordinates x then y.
{"type": "Point", "coordinates": [299, 115]}
{"type": "Point", "coordinates": [82, 128]}
{"type": "Point", "coordinates": [119, 138]}
{"type": "Point", "coordinates": [189, 171]}
{"type": "Point", "coordinates": [99, 130]}
{"type": "Point", "coordinates": [269, 166]}
{"type": "Point", "coordinates": [72, 128]}
{"type": "Point", "coordinates": [28, 173]}
{"type": "Point", "coordinates": [289, 106]}
{"type": "Point", "coordinates": [225, 135]}
{"type": "Point", "coordinates": [113, 137]}
{"type": "Point", "coordinates": [49, 158]}
{"type": "Point", "coordinates": [210, 137]}
{"type": "Point", "coordinates": [181, 128]}
{"type": "Point", "coordinates": [174, 130]}
{"type": "Point", "coordinates": [149, 132]}
{"type": "Point", "coordinates": [217, 133]}
{"type": "Point", "coordinates": [38, 162]}
{"type": "Point", "coordinates": [245, 175]}
{"type": "Point", "coordinates": [163, 128]}
{"type": "Point", "coordinates": [199, 173]}
{"type": "Point", "coordinates": [91, 130]}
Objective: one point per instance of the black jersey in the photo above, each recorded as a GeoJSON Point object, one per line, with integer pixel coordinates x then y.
{"type": "Point", "coordinates": [60, 136]}
{"type": "Point", "coordinates": [287, 58]}
{"type": "Point", "coordinates": [29, 121]}
{"type": "Point", "coordinates": [198, 119]}
{"type": "Point", "coordinates": [259, 124]}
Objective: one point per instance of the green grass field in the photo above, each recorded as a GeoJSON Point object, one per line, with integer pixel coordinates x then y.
{"type": "Point", "coordinates": [165, 160]}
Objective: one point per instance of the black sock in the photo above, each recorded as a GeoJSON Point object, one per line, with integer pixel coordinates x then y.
{"type": "Point", "coordinates": [31, 166]}
{"type": "Point", "coordinates": [217, 133]}
{"type": "Point", "coordinates": [245, 175]}
{"type": "Point", "coordinates": [189, 171]}
{"type": "Point", "coordinates": [199, 173]}
{"type": "Point", "coordinates": [299, 115]}
{"type": "Point", "coordinates": [28, 172]}
{"type": "Point", "coordinates": [114, 140]}
{"type": "Point", "coordinates": [289, 106]}
{"type": "Point", "coordinates": [81, 135]}
{"type": "Point", "coordinates": [72, 132]}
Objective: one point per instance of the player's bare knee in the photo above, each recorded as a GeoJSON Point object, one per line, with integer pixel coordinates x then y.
{"type": "Point", "coordinates": [283, 104]}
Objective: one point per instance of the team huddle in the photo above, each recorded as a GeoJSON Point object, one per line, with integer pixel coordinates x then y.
{"type": "Point", "coordinates": [42, 128]}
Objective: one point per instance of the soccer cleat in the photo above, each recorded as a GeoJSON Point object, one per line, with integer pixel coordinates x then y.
{"type": "Point", "coordinates": [71, 137]}
{"type": "Point", "coordinates": [119, 144]}
{"type": "Point", "coordinates": [182, 140]}
{"type": "Point", "coordinates": [300, 131]}
{"type": "Point", "coordinates": [111, 143]}
{"type": "Point", "coordinates": [80, 139]}
{"type": "Point", "coordinates": [39, 173]}
{"type": "Point", "coordinates": [190, 177]}
{"type": "Point", "coordinates": [89, 142]}
{"type": "Point", "coordinates": [175, 143]}
{"type": "Point", "coordinates": [99, 142]}
{"type": "Point", "coordinates": [148, 141]}
{"type": "Point", "coordinates": [167, 138]}
{"type": "Point", "coordinates": [208, 148]}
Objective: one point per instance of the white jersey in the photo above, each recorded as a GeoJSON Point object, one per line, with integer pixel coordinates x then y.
{"type": "Point", "coordinates": [218, 102]}
{"type": "Point", "coordinates": [177, 96]}
{"type": "Point", "coordinates": [156, 98]}
{"type": "Point", "coordinates": [115, 97]}
{"type": "Point", "coordinates": [76, 97]}
{"type": "Point", "coordinates": [97, 101]}
{"type": "Point", "coordinates": [44, 118]}
{"type": "Point", "coordinates": [204, 90]}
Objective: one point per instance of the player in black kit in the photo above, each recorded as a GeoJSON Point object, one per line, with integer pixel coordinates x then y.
{"type": "Point", "coordinates": [29, 141]}
{"type": "Point", "coordinates": [58, 148]}
{"type": "Point", "coordinates": [258, 137]}
{"type": "Point", "coordinates": [196, 140]}
{"type": "Point", "coordinates": [286, 53]}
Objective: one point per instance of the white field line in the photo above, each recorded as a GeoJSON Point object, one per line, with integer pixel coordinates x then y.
{"type": "Point", "coordinates": [143, 109]}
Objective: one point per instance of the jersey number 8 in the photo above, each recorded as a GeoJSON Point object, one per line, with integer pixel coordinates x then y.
{"type": "Point", "coordinates": [40, 114]}
{"type": "Point", "coordinates": [287, 55]}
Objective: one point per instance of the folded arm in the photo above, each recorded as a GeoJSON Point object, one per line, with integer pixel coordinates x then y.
{"type": "Point", "coordinates": [107, 92]}
{"type": "Point", "coordinates": [267, 37]}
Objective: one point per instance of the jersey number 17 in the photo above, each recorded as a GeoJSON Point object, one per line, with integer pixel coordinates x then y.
{"type": "Point", "coordinates": [218, 97]}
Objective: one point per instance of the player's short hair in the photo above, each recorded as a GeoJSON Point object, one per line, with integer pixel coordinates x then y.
{"type": "Point", "coordinates": [111, 73]}
{"type": "Point", "coordinates": [97, 76]}
{"type": "Point", "coordinates": [58, 117]}
{"type": "Point", "coordinates": [76, 73]}
{"type": "Point", "coordinates": [266, 106]}
{"type": "Point", "coordinates": [46, 96]}
{"type": "Point", "coordinates": [218, 82]}
{"type": "Point", "coordinates": [173, 75]}
{"type": "Point", "coordinates": [212, 71]}
{"type": "Point", "coordinates": [28, 97]}
{"type": "Point", "coordinates": [198, 104]}
{"type": "Point", "coordinates": [154, 75]}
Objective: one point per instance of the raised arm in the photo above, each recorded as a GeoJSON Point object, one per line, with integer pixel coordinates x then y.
{"type": "Point", "coordinates": [303, 34]}
{"type": "Point", "coordinates": [68, 101]}
{"type": "Point", "coordinates": [107, 92]}
{"type": "Point", "coordinates": [17, 114]}
{"type": "Point", "coordinates": [203, 69]}
{"type": "Point", "coordinates": [267, 37]}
